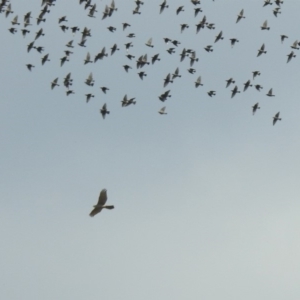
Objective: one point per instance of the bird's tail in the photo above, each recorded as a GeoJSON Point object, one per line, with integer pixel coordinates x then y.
{"type": "Point", "coordinates": [109, 206]}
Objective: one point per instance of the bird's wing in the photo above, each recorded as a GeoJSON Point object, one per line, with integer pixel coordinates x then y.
{"type": "Point", "coordinates": [95, 211]}
{"type": "Point", "coordinates": [102, 197]}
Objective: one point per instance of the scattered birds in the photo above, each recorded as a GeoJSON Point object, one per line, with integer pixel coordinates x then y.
{"type": "Point", "coordinates": [84, 34]}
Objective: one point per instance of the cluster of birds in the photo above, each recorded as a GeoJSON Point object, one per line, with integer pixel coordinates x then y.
{"type": "Point", "coordinates": [141, 61]}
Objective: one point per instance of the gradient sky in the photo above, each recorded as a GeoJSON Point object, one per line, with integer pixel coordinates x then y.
{"type": "Point", "coordinates": [206, 197]}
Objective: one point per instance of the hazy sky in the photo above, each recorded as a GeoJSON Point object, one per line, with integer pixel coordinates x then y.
{"type": "Point", "coordinates": [206, 197]}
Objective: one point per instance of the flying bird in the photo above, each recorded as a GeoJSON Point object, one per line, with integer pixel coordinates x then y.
{"type": "Point", "coordinates": [101, 204]}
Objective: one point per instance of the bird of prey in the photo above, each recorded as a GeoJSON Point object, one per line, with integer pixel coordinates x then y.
{"type": "Point", "coordinates": [101, 203]}
{"type": "Point", "coordinates": [276, 118]}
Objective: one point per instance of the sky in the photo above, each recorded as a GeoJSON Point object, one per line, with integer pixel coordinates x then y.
{"type": "Point", "coordinates": [206, 197]}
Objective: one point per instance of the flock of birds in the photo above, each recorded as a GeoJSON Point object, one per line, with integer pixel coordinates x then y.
{"type": "Point", "coordinates": [108, 11]}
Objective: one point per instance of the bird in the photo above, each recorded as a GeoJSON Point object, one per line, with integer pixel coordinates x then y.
{"type": "Point", "coordinates": [219, 37]}
{"type": "Point", "coordinates": [191, 70]}
{"type": "Point", "coordinates": [63, 60]}
{"type": "Point", "coordinates": [104, 111]}
{"type": "Point", "coordinates": [270, 93]}
{"type": "Point", "coordinates": [234, 91]}
{"type": "Point", "coordinates": [211, 93]}
{"type": "Point", "coordinates": [88, 97]}
{"type": "Point", "coordinates": [183, 26]}
{"type": "Point", "coordinates": [255, 107]}
{"type": "Point", "coordinates": [142, 74]}
{"type": "Point", "coordinates": [45, 58]}
{"type": "Point", "coordinates": [162, 111]}
{"type": "Point", "coordinates": [209, 48]}
{"type": "Point", "coordinates": [163, 6]}
{"type": "Point", "coordinates": [193, 58]}
{"type": "Point", "coordinates": [164, 96]}
{"type": "Point", "coordinates": [167, 80]}
{"type": "Point", "coordinates": [247, 84]}
{"type": "Point", "coordinates": [149, 43]}
{"type": "Point", "coordinates": [267, 2]}
{"type": "Point", "coordinates": [88, 58]}
{"type": "Point", "coordinates": [229, 81]}
{"type": "Point", "coordinates": [179, 9]}
{"type": "Point", "coordinates": [265, 26]}
{"type": "Point", "coordinates": [290, 56]}
{"type": "Point", "coordinates": [104, 89]}
{"type": "Point", "coordinates": [258, 87]}
{"type": "Point", "coordinates": [233, 41]}
{"type": "Point", "coordinates": [295, 44]}
{"type": "Point", "coordinates": [255, 73]}
{"type": "Point", "coordinates": [90, 80]}
{"type": "Point", "coordinates": [261, 50]}
{"type": "Point", "coordinates": [276, 118]}
{"type": "Point", "coordinates": [283, 37]}
{"type": "Point", "coordinates": [29, 66]}
{"type": "Point", "coordinates": [240, 16]}
{"type": "Point", "coordinates": [198, 82]}
{"type": "Point", "coordinates": [101, 204]}
{"type": "Point", "coordinates": [155, 58]}
{"type": "Point", "coordinates": [276, 11]}
{"type": "Point", "coordinates": [54, 83]}
{"type": "Point", "coordinates": [113, 49]}
{"type": "Point", "coordinates": [176, 74]}
{"type": "Point", "coordinates": [126, 68]}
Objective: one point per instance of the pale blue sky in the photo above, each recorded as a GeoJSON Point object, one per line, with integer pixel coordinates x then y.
{"type": "Point", "coordinates": [206, 197]}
